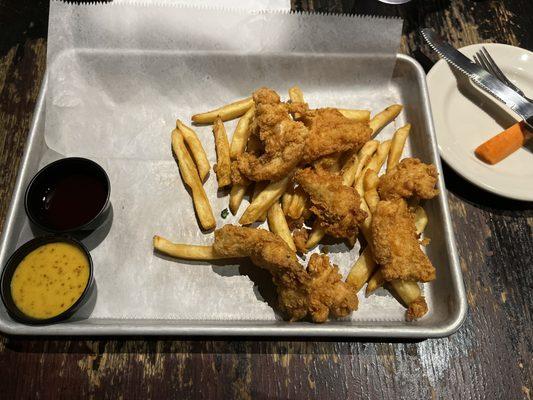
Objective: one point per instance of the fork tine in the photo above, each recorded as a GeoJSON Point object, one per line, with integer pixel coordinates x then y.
{"type": "Point", "coordinates": [482, 62]}
{"type": "Point", "coordinates": [484, 59]}
{"type": "Point", "coordinates": [488, 66]}
{"type": "Point", "coordinates": [476, 60]}
{"type": "Point", "coordinates": [493, 66]}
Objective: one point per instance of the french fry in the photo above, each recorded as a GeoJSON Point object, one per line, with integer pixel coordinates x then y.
{"type": "Point", "coordinates": [241, 134]}
{"type": "Point", "coordinates": [421, 219]}
{"type": "Point", "coordinates": [278, 224]}
{"type": "Point", "coordinates": [357, 115]}
{"type": "Point", "coordinates": [379, 158]}
{"type": "Point", "coordinates": [365, 226]}
{"type": "Point", "coordinates": [197, 150]}
{"type": "Point", "coordinates": [349, 169]}
{"type": "Point", "coordinates": [286, 201]}
{"type": "Point", "coordinates": [223, 166]}
{"type": "Point", "coordinates": [382, 119]}
{"type": "Point", "coordinates": [362, 269]}
{"type": "Point", "coordinates": [316, 235]}
{"type": "Point", "coordinates": [297, 205]}
{"type": "Point", "coordinates": [297, 96]}
{"type": "Point", "coordinates": [353, 167]}
{"type": "Point", "coordinates": [375, 163]}
{"type": "Point", "coordinates": [407, 291]}
{"type": "Point", "coordinates": [185, 251]}
{"type": "Point", "coordinates": [258, 188]}
{"type": "Point", "coordinates": [227, 112]}
{"type": "Point", "coordinates": [397, 145]}
{"type": "Point", "coordinates": [264, 201]}
{"type": "Point", "coordinates": [370, 185]}
{"type": "Point", "coordinates": [192, 179]}
{"type": "Point", "coordinates": [236, 195]}
{"type": "Point", "coordinates": [411, 295]}
{"type": "Point", "coordinates": [365, 265]}
{"type": "Point", "coordinates": [376, 281]}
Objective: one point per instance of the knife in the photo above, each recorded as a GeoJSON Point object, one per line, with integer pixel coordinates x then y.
{"type": "Point", "coordinates": [481, 78]}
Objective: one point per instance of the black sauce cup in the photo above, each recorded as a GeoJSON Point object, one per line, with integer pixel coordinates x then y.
{"type": "Point", "coordinates": [13, 263]}
{"type": "Point", "coordinates": [53, 173]}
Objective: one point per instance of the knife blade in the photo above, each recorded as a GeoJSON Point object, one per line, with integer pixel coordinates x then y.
{"type": "Point", "coordinates": [480, 76]}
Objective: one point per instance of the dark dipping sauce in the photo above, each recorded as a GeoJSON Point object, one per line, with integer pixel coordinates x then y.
{"type": "Point", "coordinates": [68, 195]}
{"type": "Point", "coordinates": [71, 201]}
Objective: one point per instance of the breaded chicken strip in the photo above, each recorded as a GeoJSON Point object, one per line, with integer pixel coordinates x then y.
{"type": "Point", "coordinates": [336, 206]}
{"type": "Point", "coordinates": [328, 293]}
{"type": "Point", "coordinates": [410, 178]}
{"type": "Point", "coordinates": [317, 292]}
{"type": "Point", "coordinates": [395, 243]}
{"type": "Point", "coordinates": [331, 132]}
{"type": "Point", "coordinates": [283, 138]}
{"type": "Point", "coordinates": [330, 163]}
{"type": "Point", "coordinates": [237, 178]}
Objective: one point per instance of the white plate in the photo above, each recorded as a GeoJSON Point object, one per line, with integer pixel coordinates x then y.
{"type": "Point", "coordinates": [465, 117]}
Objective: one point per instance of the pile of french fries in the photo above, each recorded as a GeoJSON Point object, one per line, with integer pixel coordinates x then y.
{"type": "Point", "coordinates": [278, 201]}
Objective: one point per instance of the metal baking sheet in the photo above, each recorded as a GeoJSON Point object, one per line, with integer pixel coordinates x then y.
{"type": "Point", "coordinates": [445, 296]}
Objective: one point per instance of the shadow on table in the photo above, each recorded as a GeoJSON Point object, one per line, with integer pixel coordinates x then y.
{"type": "Point", "coordinates": [482, 199]}
{"type": "Point", "coordinates": [205, 345]}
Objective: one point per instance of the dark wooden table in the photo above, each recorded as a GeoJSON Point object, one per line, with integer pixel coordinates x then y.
{"type": "Point", "coordinates": [488, 358]}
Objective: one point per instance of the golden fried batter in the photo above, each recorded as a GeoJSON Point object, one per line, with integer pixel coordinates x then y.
{"type": "Point", "coordinates": [410, 178]}
{"type": "Point", "coordinates": [300, 237]}
{"type": "Point", "coordinates": [283, 138]}
{"type": "Point", "coordinates": [395, 243]}
{"type": "Point", "coordinates": [328, 293]}
{"type": "Point", "coordinates": [236, 177]}
{"type": "Point", "coordinates": [336, 206]}
{"type": "Point", "coordinates": [316, 292]}
{"type": "Point", "coordinates": [295, 223]}
{"type": "Point", "coordinates": [417, 309]}
{"type": "Point", "coordinates": [331, 132]}
{"type": "Point", "coordinates": [330, 163]}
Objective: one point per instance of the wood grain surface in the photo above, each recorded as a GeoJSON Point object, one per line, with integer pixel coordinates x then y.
{"type": "Point", "coordinates": [488, 358]}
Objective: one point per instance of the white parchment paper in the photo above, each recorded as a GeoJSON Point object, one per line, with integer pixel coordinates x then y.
{"type": "Point", "coordinates": [120, 75]}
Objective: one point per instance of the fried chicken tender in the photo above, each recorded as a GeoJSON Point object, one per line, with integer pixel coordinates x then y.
{"type": "Point", "coordinates": [395, 243]}
{"type": "Point", "coordinates": [328, 293]}
{"type": "Point", "coordinates": [330, 163]}
{"type": "Point", "coordinates": [331, 132]}
{"type": "Point", "coordinates": [317, 291]}
{"type": "Point", "coordinates": [337, 206]}
{"type": "Point", "coordinates": [410, 178]}
{"type": "Point", "coordinates": [283, 138]}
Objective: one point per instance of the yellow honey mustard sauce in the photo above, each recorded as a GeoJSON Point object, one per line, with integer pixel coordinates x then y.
{"type": "Point", "coordinates": [50, 279]}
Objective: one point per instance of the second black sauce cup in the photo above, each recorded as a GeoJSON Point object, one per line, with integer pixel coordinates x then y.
{"type": "Point", "coordinates": [68, 195]}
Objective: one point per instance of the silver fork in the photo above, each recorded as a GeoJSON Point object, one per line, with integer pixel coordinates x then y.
{"type": "Point", "coordinates": [484, 60]}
